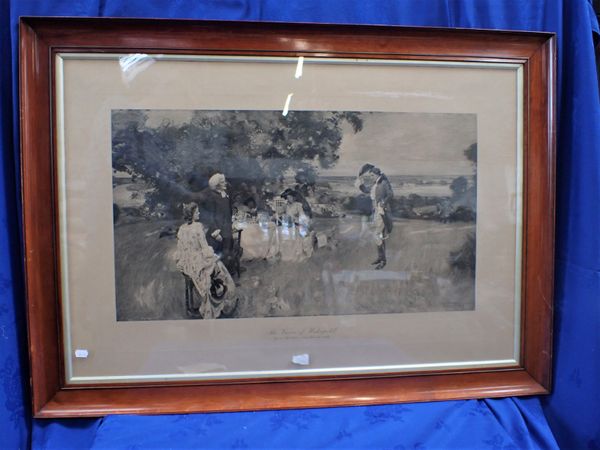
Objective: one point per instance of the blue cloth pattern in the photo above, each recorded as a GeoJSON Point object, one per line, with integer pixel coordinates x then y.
{"type": "Point", "coordinates": [14, 422]}
{"type": "Point", "coordinates": [473, 424]}
{"type": "Point", "coordinates": [573, 410]}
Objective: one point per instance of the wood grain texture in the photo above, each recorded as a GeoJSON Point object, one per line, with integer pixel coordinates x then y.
{"type": "Point", "coordinates": [41, 38]}
{"type": "Point", "coordinates": [38, 218]}
{"type": "Point", "coordinates": [287, 395]}
{"type": "Point", "coordinates": [538, 285]}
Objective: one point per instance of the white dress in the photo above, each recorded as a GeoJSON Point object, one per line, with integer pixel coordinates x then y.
{"type": "Point", "coordinates": [197, 260]}
{"type": "Point", "coordinates": [295, 240]}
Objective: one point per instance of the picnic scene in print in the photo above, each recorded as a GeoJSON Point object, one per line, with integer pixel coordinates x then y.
{"type": "Point", "coordinates": [252, 213]}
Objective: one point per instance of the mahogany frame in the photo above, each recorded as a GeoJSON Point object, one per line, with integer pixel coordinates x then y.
{"type": "Point", "coordinates": [42, 38]}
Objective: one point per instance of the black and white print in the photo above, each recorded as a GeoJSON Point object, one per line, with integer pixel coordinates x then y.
{"type": "Point", "coordinates": [252, 214]}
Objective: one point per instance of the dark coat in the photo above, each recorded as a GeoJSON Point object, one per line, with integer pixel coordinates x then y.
{"type": "Point", "coordinates": [215, 214]}
{"type": "Point", "coordinates": [383, 196]}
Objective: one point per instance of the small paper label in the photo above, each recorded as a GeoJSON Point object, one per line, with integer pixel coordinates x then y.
{"type": "Point", "coordinates": [301, 360]}
{"type": "Point", "coordinates": [81, 353]}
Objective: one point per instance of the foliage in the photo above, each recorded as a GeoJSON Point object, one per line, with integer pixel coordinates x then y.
{"type": "Point", "coordinates": [248, 147]}
{"type": "Point", "coordinates": [360, 204]}
{"type": "Point", "coordinates": [463, 259]}
{"type": "Point", "coordinates": [458, 186]}
{"type": "Point", "coordinates": [471, 153]}
{"type": "Point", "coordinates": [462, 214]}
{"type": "Point", "coordinates": [464, 197]}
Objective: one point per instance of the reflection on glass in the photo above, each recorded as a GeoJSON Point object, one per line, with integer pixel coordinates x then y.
{"type": "Point", "coordinates": [134, 64]}
{"type": "Point", "coordinates": [286, 106]}
{"type": "Point", "coordinates": [299, 66]}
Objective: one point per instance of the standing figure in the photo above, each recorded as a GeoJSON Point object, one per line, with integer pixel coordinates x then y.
{"type": "Point", "coordinates": [293, 211]}
{"type": "Point", "coordinates": [373, 181]}
{"type": "Point", "coordinates": [217, 217]}
{"type": "Point", "coordinates": [209, 289]}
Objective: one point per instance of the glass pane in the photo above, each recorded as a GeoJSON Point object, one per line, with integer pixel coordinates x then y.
{"type": "Point", "coordinates": [244, 217]}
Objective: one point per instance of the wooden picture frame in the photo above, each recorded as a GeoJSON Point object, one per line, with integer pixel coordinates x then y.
{"type": "Point", "coordinates": [53, 395]}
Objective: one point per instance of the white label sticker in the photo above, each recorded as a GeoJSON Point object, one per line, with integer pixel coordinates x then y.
{"type": "Point", "coordinates": [301, 360]}
{"type": "Point", "coordinates": [81, 353]}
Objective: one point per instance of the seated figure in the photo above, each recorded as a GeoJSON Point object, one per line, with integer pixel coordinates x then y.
{"type": "Point", "coordinates": [209, 288]}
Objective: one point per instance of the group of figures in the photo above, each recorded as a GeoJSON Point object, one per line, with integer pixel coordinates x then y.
{"type": "Point", "coordinates": [218, 234]}
{"type": "Point", "coordinates": [204, 249]}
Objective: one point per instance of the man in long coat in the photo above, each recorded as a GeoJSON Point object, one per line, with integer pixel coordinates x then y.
{"type": "Point", "coordinates": [373, 181]}
{"type": "Point", "coordinates": [216, 216]}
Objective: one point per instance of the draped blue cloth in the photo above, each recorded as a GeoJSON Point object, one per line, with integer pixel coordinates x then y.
{"type": "Point", "coordinates": [495, 424]}
{"type": "Point", "coordinates": [572, 410]}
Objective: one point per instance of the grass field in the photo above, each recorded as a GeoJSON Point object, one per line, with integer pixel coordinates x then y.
{"type": "Point", "coordinates": [337, 279]}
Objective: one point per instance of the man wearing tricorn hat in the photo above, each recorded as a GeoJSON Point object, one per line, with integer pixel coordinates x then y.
{"type": "Point", "coordinates": [373, 181]}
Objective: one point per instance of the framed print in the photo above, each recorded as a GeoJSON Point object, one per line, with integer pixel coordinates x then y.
{"type": "Point", "coordinates": [237, 216]}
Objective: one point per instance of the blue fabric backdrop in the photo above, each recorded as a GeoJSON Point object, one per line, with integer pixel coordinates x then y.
{"type": "Point", "coordinates": [573, 410]}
